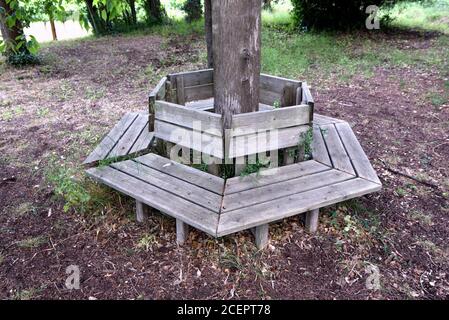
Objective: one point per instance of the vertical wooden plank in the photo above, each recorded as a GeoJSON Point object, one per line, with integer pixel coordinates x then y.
{"type": "Point", "coordinates": [185, 156]}
{"type": "Point", "coordinates": [180, 90]}
{"type": "Point", "coordinates": [261, 236]}
{"type": "Point", "coordinates": [182, 232]}
{"type": "Point", "coordinates": [239, 165]}
{"type": "Point", "coordinates": [141, 211]}
{"type": "Point", "coordinates": [312, 220]}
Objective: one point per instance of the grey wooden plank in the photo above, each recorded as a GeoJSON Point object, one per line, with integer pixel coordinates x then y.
{"type": "Point", "coordinates": [306, 94]}
{"type": "Point", "coordinates": [205, 105]}
{"type": "Point", "coordinates": [143, 142]}
{"type": "Point", "coordinates": [182, 232]}
{"type": "Point", "coordinates": [312, 220]}
{"type": "Point", "coordinates": [127, 141]}
{"type": "Point", "coordinates": [278, 209]}
{"type": "Point", "coordinates": [282, 189]}
{"type": "Point", "coordinates": [203, 142]}
{"type": "Point", "coordinates": [189, 174]}
{"type": "Point", "coordinates": [178, 187]}
{"type": "Point", "coordinates": [186, 211]}
{"type": "Point", "coordinates": [276, 84]}
{"type": "Point", "coordinates": [337, 153]}
{"type": "Point", "coordinates": [275, 175]}
{"type": "Point", "coordinates": [189, 118]}
{"type": "Point", "coordinates": [261, 235]}
{"type": "Point", "coordinates": [180, 90]}
{"type": "Point", "coordinates": [111, 139]}
{"type": "Point", "coordinates": [322, 120]}
{"type": "Point", "coordinates": [355, 151]}
{"type": "Point", "coordinates": [195, 78]}
{"type": "Point", "coordinates": [141, 211]}
{"type": "Point", "coordinates": [319, 150]}
{"type": "Point", "coordinates": [159, 91]}
{"type": "Point", "coordinates": [201, 92]}
{"type": "Point", "coordinates": [270, 98]}
{"type": "Point", "coordinates": [265, 141]}
{"type": "Point", "coordinates": [250, 123]}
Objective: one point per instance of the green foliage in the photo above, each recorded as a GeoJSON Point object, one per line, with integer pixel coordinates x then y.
{"type": "Point", "coordinates": [21, 59]}
{"type": "Point", "coordinates": [69, 187]}
{"type": "Point", "coordinates": [334, 15]}
{"type": "Point", "coordinates": [306, 143]}
{"type": "Point", "coordinates": [193, 10]}
{"type": "Point", "coordinates": [251, 168]}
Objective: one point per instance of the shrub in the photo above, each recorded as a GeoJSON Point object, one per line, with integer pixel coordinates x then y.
{"type": "Point", "coordinates": [334, 15]}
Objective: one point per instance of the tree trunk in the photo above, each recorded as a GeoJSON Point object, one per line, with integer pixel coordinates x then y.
{"type": "Point", "coordinates": [154, 11]}
{"type": "Point", "coordinates": [236, 45]}
{"type": "Point", "coordinates": [94, 18]}
{"type": "Point", "coordinates": [208, 27]}
{"type": "Point", "coordinates": [9, 35]}
{"type": "Point", "coordinates": [53, 27]}
{"type": "Point", "coordinates": [132, 5]}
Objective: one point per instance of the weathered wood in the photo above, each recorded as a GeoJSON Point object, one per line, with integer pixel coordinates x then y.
{"type": "Point", "coordinates": [177, 187]}
{"type": "Point", "coordinates": [111, 139]}
{"type": "Point", "coordinates": [339, 157]}
{"type": "Point", "coordinates": [236, 57]}
{"type": "Point", "coordinates": [282, 189]}
{"type": "Point", "coordinates": [355, 151]}
{"type": "Point", "coordinates": [261, 235]}
{"type": "Point", "coordinates": [192, 214]}
{"type": "Point", "coordinates": [141, 211]}
{"type": "Point", "coordinates": [200, 92]}
{"type": "Point", "coordinates": [143, 142]}
{"type": "Point", "coordinates": [210, 144]}
{"type": "Point", "coordinates": [265, 141]}
{"type": "Point", "coordinates": [288, 97]}
{"type": "Point", "coordinates": [198, 120]}
{"type": "Point", "coordinates": [322, 120]}
{"type": "Point", "coordinates": [160, 90]}
{"type": "Point", "coordinates": [129, 137]}
{"type": "Point", "coordinates": [306, 94]}
{"type": "Point", "coordinates": [312, 220]}
{"type": "Point", "coordinates": [250, 123]}
{"type": "Point", "coordinates": [180, 90]}
{"type": "Point", "coordinates": [194, 78]}
{"type": "Point", "coordinates": [271, 176]}
{"type": "Point", "coordinates": [277, 84]}
{"type": "Point", "coordinates": [319, 149]}
{"type": "Point", "coordinates": [248, 217]}
{"type": "Point", "coordinates": [182, 232]}
{"type": "Point", "coordinates": [188, 174]}
{"type": "Point", "coordinates": [240, 164]}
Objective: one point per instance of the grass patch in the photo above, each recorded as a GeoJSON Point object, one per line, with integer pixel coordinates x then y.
{"type": "Point", "coordinates": [33, 242]}
{"type": "Point", "coordinates": [433, 16]}
{"type": "Point", "coordinates": [425, 219]}
{"type": "Point", "coordinates": [147, 242]}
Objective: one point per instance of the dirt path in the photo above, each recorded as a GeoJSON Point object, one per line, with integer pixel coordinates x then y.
{"type": "Point", "coordinates": [52, 115]}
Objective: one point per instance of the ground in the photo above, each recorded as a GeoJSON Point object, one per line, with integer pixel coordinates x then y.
{"type": "Point", "coordinates": [392, 87]}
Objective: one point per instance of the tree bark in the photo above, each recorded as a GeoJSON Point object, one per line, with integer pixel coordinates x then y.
{"type": "Point", "coordinates": [236, 45]}
{"type": "Point", "coordinates": [132, 5]}
{"type": "Point", "coordinates": [154, 11]}
{"type": "Point", "coordinates": [53, 27]}
{"type": "Point", "coordinates": [9, 34]}
{"type": "Point", "coordinates": [208, 27]}
{"type": "Point", "coordinates": [98, 25]}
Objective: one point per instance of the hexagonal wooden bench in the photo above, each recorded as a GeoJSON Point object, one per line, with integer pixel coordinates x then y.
{"type": "Point", "coordinates": [339, 171]}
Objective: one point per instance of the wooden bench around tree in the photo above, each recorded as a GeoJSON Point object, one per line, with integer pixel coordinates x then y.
{"type": "Point", "coordinates": [339, 171]}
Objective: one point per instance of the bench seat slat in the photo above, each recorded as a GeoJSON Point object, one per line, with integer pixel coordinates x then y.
{"type": "Point", "coordinates": [194, 215]}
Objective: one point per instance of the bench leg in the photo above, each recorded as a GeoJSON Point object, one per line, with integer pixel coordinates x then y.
{"type": "Point", "coordinates": [141, 211]}
{"type": "Point", "coordinates": [261, 235]}
{"type": "Point", "coordinates": [312, 220]}
{"type": "Point", "coordinates": [182, 232]}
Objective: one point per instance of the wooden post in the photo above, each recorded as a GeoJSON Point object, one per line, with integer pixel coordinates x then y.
{"type": "Point", "coordinates": [182, 232]}
{"type": "Point", "coordinates": [312, 220]}
{"type": "Point", "coordinates": [261, 235]}
{"type": "Point", "coordinates": [141, 211]}
{"type": "Point", "coordinates": [236, 47]}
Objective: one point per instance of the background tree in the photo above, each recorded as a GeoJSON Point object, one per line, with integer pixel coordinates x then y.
{"type": "Point", "coordinates": [334, 15]}
{"type": "Point", "coordinates": [155, 12]}
{"type": "Point", "coordinates": [15, 45]}
{"type": "Point", "coordinates": [193, 9]}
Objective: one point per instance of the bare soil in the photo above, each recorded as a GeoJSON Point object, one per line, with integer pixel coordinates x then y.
{"type": "Point", "coordinates": [58, 111]}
